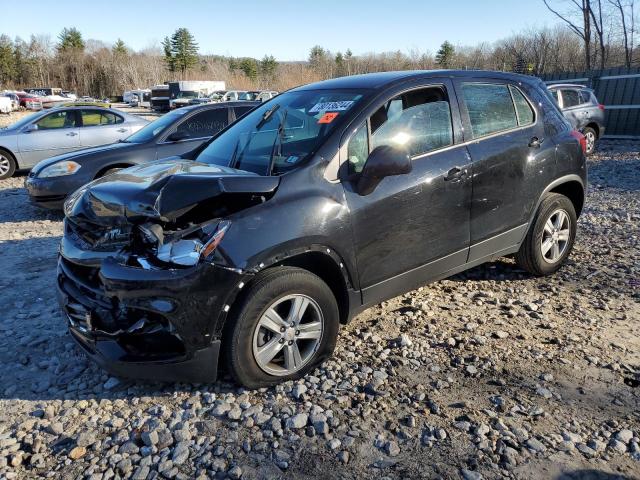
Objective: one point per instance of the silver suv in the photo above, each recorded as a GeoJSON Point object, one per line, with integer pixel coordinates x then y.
{"type": "Point", "coordinates": [581, 107]}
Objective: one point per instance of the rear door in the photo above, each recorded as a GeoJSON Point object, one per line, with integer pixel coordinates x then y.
{"type": "Point", "coordinates": [101, 128]}
{"type": "Point", "coordinates": [511, 159]}
{"type": "Point", "coordinates": [411, 227]}
{"type": "Point", "coordinates": [199, 127]}
{"type": "Point", "coordinates": [56, 133]}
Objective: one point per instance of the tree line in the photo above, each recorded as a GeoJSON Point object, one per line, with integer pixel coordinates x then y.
{"type": "Point", "coordinates": [592, 34]}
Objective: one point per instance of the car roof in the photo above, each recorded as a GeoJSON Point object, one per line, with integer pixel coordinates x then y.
{"type": "Point", "coordinates": [206, 106]}
{"type": "Point", "coordinates": [381, 80]}
{"type": "Point", "coordinates": [567, 85]}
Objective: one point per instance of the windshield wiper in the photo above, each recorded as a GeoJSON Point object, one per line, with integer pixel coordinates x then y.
{"type": "Point", "coordinates": [277, 143]}
{"type": "Point", "coordinates": [267, 115]}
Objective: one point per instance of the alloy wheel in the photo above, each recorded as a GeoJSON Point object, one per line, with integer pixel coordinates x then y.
{"type": "Point", "coordinates": [5, 165]}
{"type": "Point", "coordinates": [288, 335]}
{"type": "Point", "coordinates": [555, 236]}
{"type": "Point", "coordinates": [591, 141]}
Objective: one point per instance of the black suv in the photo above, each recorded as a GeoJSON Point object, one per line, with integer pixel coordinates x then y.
{"type": "Point", "coordinates": [319, 203]}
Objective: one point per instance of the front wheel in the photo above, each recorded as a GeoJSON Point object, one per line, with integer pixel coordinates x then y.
{"type": "Point", "coordinates": [285, 325]}
{"type": "Point", "coordinates": [7, 165]}
{"type": "Point", "coordinates": [550, 238]}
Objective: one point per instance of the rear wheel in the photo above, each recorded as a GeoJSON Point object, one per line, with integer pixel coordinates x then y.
{"type": "Point", "coordinates": [590, 137]}
{"type": "Point", "coordinates": [285, 325]}
{"type": "Point", "coordinates": [7, 164]}
{"type": "Point", "coordinates": [550, 238]}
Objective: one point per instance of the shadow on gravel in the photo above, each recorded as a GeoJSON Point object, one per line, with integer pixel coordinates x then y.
{"type": "Point", "coordinates": [615, 173]}
{"type": "Point", "coordinates": [591, 475]}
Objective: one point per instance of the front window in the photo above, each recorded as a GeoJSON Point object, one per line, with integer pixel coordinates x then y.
{"type": "Point", "coordinates": [150, 130]}
{"type": "Point", "coordinates": [277, 136]}
{"type": "Point", "coordinates": [63, 119]}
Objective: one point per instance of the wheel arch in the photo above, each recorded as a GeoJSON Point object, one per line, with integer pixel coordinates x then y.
{"type": "Point", "coordinates": [15, 157]}
{"type": "Point", "coordinates": [595, 127]}
{"type": "Point", "coordinates": [574, 191]}
{"type": "Point", "coordinates": [106, 168]}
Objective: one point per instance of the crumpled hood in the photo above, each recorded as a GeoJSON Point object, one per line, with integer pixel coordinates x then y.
{"type": "Point", "coordinates": [162, 190]}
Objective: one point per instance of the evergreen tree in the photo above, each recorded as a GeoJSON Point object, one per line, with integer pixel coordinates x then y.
{"type": "Point", "coordinates": [183, 51]}
{"type": "Point", "coordinates": [268, 66]}
{"type": "Point", "coordinates": [249, 67]}
{"type": "Point", "coordinates": [119, 48]}
{"type": "Point", "coordinates": [168, 55]}
{"type": "Point", "coordinates": [7, 60]}
{"type": "Point", "coordinates": [445, 55]}
{"type": "Point", "coordinates": [70, 39]}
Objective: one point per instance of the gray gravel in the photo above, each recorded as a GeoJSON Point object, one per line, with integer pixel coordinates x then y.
{"type": "Point", "coordinates": [490, 374]}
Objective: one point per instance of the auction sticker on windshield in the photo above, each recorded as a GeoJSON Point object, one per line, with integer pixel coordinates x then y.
{"type": "Point", "coordinates": [328, 117]}
{"type": "Point", "coordinates": [333, 106]}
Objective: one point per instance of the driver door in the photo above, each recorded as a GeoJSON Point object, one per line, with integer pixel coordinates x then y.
{"type": "Point", "coordinates": [412, 227]}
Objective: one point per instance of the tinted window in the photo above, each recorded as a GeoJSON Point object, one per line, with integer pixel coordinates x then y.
{"type": "Point", "coordinates": [420, 120]}
{"type": "Point", "coordinates": [523, 109]}
{"type": "Point", "coordinates": [205, 124]}
{"type": "Point", "coordinates": [92, 118]}
{"type": "Point", "coordinates": [585, 96]}
{"type": "Point", "coordinates": [490, 108]}
{"type": "Point", "coordinates": [570, 98]}
{"type": "Point", "coordinates": [358, 149]}
{"type": "Point", "coordinates": [64, 119]}
{"type": "Point", "coordinates": [241, 111]}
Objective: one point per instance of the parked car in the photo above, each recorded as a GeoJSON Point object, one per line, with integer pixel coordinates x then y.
{"type": "Point", "coordinates": [60, 130]}
{"type": "Point", "coordinates": [262, 95]}
{"type": "Point", "coordinates": [314, 206]}
{"type": "Point", "coordinates": [5, 105]}
{"type": "Point", "coordinates": [580, 105]}
{"type": "Point", "coordinates": [175, 133]}
{"type": "Point", "coordinates": [30, 101]}
{"type": "Point", "coordinates": [15, 100]}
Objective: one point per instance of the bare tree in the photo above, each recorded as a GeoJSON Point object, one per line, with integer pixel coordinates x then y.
{"type": "Point", "coordinates": [584, 31]}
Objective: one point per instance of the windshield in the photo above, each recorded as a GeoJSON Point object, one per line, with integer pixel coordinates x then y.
{"type": "Point", "coordinates": [150, 130]}
{"type": "Point", "coordinates": [277, 136]}
{"type": "Point", "coordinates": [187, 95]}
{"type": "Point", "coordinates": [24, 121]}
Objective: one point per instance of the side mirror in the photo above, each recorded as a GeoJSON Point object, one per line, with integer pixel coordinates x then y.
{"type": "Point", "coordinates": [30, 128]}
{"type": "Point", "coordinates": [383, 161]}
{"type": "Point", "coordinates": [178, 136]}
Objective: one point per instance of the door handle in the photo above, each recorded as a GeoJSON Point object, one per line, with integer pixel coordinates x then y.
{"type": "Point", "coordinates": [455, 173]}
{"type": "Point", "coordinates": [535, 142]}
{"type": "Point", "coordinates": [71, 134]}
{"type": "Point", "coordinates": [122, 130]}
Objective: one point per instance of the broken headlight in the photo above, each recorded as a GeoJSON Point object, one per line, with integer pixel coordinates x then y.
{"type": "Point", "coordinates": [185, 247]}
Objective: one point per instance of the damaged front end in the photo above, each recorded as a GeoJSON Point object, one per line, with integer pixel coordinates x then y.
{"type": "Point", "coordinates": [142, 276]}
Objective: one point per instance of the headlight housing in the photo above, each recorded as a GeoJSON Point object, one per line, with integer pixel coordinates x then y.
{"type": "Point", "coordinates": [186, 247]}
{"type": "Point", "coordinates": [67, 167]}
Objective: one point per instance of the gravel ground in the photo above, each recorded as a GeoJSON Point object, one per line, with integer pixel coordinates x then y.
{"type": "Point", "coordinates": [489, 374]}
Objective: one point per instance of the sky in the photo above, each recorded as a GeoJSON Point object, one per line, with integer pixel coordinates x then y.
{"type": "Point", "coordinates": [286, 29]}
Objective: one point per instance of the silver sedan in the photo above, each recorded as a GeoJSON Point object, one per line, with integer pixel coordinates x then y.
{"type": "Point", "coordinates": [60, 130]}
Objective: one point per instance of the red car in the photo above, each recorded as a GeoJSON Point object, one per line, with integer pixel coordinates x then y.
{"type": "Point", "coordinates": [30, 101]}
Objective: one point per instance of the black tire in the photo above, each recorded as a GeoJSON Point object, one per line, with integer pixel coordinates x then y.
{"type": "Point", "coordinates": [268, 287]}
{"type": "Point", "coordinates": [530, 256]}
{"type": "Point", "coordinates": [9, 162]}
{"type": "Point", "coordinates": [588, 133]}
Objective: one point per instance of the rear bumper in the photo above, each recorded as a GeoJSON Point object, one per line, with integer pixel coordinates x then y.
{"type": "Point", "coordinates": [149, 324]}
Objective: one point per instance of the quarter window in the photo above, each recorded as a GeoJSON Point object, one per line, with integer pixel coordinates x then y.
{"type": "Point", "coordinates": [64, 119]}
{"type": "Point", "coordinates": [358, 149]}
{"type": "Point", "coordinates": [419, 120]}
{"type": "Point", "coordinates": [523, 109]}
{"type": "Point", "coordinates": [205, 124]}
{"type": "Point", "coordinates": [490, 108]}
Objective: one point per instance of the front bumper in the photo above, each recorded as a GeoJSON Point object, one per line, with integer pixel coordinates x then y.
{"type": "Point", "coordinates": [150, 324]}
{"type": "Point", "coordinates": [52, 192]}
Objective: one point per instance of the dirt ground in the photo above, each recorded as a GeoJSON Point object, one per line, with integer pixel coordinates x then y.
{"type": "Point", "coordinates": [490, 374]}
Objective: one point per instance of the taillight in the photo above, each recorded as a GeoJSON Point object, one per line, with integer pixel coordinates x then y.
{"type": "Point", "coordinates": [580, 137]}
{"type": "Point", "coordinates": [601, 107]}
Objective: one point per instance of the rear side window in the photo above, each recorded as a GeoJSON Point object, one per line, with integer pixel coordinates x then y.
{"type": "Point", "coordinates": [205, 124]}
{"type": "Point", "coordinates": [570, 98]}
{"type": "Point", "coordinates": [420, 120]}
{"type": "Point", "coordinates": [92, 118]}
{"type": "Point", "coordinates": [523, 109]}
{"type": "Point", "coordinates": [490, 108]}
{"type": "Point", "coordinates": [585, 96]}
